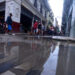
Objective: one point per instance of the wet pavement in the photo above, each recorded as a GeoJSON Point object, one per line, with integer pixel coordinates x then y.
{"type": "Point", "coordinates": [33, 56]}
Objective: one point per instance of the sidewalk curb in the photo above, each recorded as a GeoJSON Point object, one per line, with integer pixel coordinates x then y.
{"type": "Point", "coordinates": [59, 38]}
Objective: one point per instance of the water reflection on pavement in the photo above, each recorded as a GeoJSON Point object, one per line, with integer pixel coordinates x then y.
{"type": "Point", "coordinates": [37, 57]}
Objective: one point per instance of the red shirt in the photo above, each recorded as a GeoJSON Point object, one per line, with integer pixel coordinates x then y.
{"type": "Point", "coordinates": [35, 25]}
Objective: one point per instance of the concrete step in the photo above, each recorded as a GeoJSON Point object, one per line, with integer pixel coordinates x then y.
{"type": "Point", "coordinates": [62, 38]}
{"type": "Point", "coordinates": [19, 36]}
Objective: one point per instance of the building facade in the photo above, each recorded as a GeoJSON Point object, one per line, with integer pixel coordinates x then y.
{"type": "Point", "coordinates": [68, 20]}
{"type": "Point", "coordinates": [24, 12]}
{"type": "Point", "coordinates": [50, 18]}
{"type": "Point", "coordinates": [72, 31]}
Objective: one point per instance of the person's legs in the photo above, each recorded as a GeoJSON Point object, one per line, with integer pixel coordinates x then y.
{"type": "Point", "coordinates": [34, 31]}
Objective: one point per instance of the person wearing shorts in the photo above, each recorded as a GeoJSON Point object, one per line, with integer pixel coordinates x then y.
{"type": "Point", "coordinates": [9, 22]}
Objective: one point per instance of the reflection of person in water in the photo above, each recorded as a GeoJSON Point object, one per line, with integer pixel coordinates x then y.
{"type": "Point", "coordinates": [53, 47]}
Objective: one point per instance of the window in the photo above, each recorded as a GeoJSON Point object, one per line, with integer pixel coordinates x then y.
{"type": "Point", "coordinates": [35, 3]}
{"type": "Point", "coordinates": [41, 9]}
{"type": "Point", "coordinates": [45, 15]}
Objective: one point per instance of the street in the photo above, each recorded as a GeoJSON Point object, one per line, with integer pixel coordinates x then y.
{"type": "Point", "coordinates": [37, 37]}
{"type": "Point", "coordinates": [20, 55]}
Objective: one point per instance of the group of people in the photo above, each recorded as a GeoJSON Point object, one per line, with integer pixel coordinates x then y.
{"type": "Point", "coordinates": [38, 28]}
{"type": "Point", "coordinates": [6, 26]}
{"type": "Point", "coordinates": [51, 30]}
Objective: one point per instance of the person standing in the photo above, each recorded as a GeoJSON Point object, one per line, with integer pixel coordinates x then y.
{"type": "Point", "coordinates": [35, 27]}
{"type": "Point", "coordinates": [43, 29]}
{"type": "Point", "coordinates": [1, 28]}
{"type": "Point", "coordinates": [5, 26]}
{"type": "Point", "coordinates": [9, 22]}
{"type": "Point", "coordinates": [21, 27]}
{"type": "Point", "coordinates": [39, 28]}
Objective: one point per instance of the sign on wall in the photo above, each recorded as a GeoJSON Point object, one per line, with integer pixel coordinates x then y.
{"type": "Point", "coordinates": [14, 8]}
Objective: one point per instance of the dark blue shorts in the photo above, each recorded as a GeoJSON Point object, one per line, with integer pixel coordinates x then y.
{"type": "Point", "coordinates": [9, 27]}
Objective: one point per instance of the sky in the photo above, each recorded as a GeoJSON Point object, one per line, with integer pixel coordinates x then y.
{"type": "Point", "coordinates": [57, 8]}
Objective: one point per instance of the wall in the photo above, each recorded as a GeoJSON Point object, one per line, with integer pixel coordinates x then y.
{"type": "Point", "coordinates": [14, 8]}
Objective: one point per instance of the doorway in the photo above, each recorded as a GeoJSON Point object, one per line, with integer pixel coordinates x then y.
{"type": "Point", "coordinates": [26, 23]}
{"type": "Point", "coordinates": [2, 16]}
